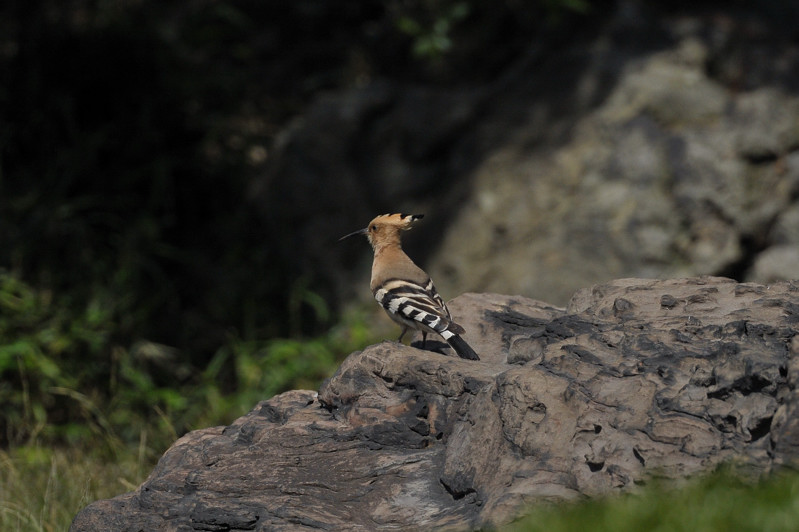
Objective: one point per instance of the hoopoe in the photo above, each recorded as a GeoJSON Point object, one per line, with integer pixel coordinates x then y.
{"type": "Point", "coordinates": [403, 289]}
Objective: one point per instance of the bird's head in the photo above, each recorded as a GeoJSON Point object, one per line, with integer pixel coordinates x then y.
{"type": "Point", "coordinates": [386, 228]}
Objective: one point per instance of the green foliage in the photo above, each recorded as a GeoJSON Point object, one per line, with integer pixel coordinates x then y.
{"type": "Point", "coordinates": [267, 367]}
{"type": "Point", "coordinates": [52, 393]}
{"type": "Point", "coordinates": [716, 503]}
{"type": "Point", "coordinates": [431, 23]}
{"type": "Point", "coordinates": [39, 363]}
{"type": "Point", "coordinates": [264, 368]}
{"type": "Point", "coordinates": [434, 40]}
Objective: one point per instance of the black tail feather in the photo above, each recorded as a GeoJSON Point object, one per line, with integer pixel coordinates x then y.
{"type": "Point", "coordinates": [463, 349]}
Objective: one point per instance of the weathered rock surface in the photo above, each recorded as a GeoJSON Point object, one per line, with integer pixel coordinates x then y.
{"type": "Point", "coordinates": [635, 378]}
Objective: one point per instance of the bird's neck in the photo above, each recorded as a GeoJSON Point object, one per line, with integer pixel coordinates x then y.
{"type": "Point", "coordinates": [390, 262]}
{"type": "Point", "coordinates": [388, 244]}
{"type": "Point", "coordinates": [389, 253]}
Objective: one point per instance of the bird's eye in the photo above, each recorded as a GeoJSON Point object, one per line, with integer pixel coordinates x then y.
{"type": "Point", "coordinates": [373, 228]}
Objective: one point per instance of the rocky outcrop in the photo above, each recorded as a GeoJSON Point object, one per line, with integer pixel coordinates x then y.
{"type": "Point", "coordinates": [634, 378]}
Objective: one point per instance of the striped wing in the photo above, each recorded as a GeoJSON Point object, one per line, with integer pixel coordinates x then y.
{"type": "Point", "coordinates": [419, 306]}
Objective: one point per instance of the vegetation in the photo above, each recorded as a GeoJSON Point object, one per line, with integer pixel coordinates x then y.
{"type": "Point", "coordinates": [41, 489]}
{"type": "Point", "coordinates": [52, 395]}
{"type": "Point", "coordinates": [716, 503]}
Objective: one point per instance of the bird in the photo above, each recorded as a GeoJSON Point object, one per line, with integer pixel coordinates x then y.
{"type": "Point", "coordinates": [403, 289]}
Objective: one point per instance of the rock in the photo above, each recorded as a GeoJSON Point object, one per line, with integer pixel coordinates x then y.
{"type": "Point", "coordinates": [786, 230]}
{"type": "Point", "coordinates": [634, 378]}
{"type": "Point", "coordinates": [777, 262]}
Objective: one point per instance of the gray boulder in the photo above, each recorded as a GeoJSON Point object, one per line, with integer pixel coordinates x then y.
{"type": "Point", "coordinates": [634, 378]}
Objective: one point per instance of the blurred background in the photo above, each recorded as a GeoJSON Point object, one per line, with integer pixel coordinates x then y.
{"type": "Point", "coordinates": [174, 176]}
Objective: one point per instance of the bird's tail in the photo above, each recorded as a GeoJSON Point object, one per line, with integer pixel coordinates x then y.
{"type": "Point", "coordinates": [463, 349]}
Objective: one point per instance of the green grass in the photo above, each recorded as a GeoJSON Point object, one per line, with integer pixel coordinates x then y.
{"type": "Point", "coordinates": [42, 489]}
{"type": "Point", "coordinates": [719, 502]}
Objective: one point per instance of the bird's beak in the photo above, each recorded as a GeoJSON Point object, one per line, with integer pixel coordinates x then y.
{"type": "Point", "coordinates": [358, 232]}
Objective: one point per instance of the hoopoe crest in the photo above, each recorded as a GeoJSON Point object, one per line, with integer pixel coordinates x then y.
{"type": "Point", "coordinates": [404, 290]}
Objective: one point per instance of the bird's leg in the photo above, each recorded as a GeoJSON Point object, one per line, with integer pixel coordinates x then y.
{"type": "Point", "coordinates": [424, 339]}
{"type": "Point", "coordinates": [404, 330]}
